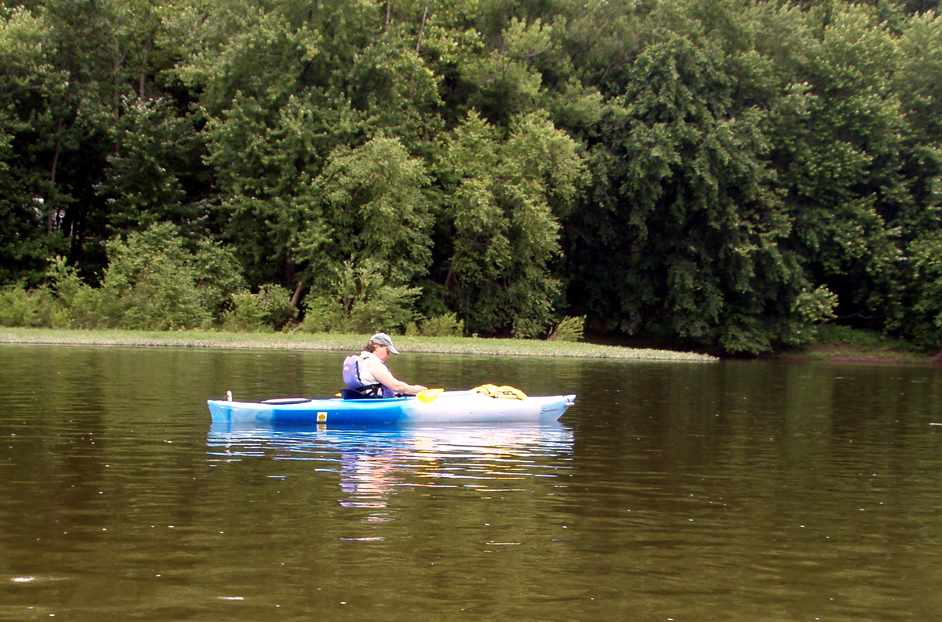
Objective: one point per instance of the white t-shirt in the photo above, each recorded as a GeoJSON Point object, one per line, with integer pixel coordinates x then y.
{"type": "Point", "coordinates": [366, 366]}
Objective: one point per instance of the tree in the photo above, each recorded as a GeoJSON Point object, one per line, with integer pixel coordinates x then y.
{"type": "Point", "coordinates": [918, 83]}
{"type": "Point", "coordinates": [840, 157]}
{"type": "Point", "coordinates": [506, 197]}
{"type": "Point", "coordinates": [29, 84]}
{"type": "Point", "coordinates": [156, 160]}
{"type": "Point", "coordinates": [684, 232]}
{"type": "Point", "coordinates": [925, 323]}
{"type": "Point", "coordinates": [367, 214]}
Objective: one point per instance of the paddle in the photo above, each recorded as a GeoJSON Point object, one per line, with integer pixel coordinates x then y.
{"type": "Point", "coordinates": [428, 395]}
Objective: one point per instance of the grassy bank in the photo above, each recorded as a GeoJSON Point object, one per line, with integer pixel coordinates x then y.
{"type": "Point", "coordinates": [835, 343]}
{"type": "Point", "coordinates": [841, 344]}
{"type": "Point", "coordinates": [338, 342]}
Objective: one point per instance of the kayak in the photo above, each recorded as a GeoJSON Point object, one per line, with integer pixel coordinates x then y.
{"type": "Point", "coordinates": [441, 407]}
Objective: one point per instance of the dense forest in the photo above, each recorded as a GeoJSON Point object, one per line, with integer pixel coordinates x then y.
{"type": "Point", "coordinates": [720, 174]}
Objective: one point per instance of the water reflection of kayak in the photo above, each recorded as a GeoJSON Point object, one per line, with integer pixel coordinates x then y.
{"type": "Point", "coordinates": [373, 462]}
{"type": "Point", "coordinates": [444, 407]}
{"type": "Point", "coordinates": [409, 446]}
{"type": "Point", "coordinates": [549, 438]}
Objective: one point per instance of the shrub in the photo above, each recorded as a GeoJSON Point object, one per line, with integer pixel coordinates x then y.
{"type": "Point", "coordinates": [925, 316]}
{"type": "Point", "coordinates": [31, 308]}
{"type": "Point", "coordinates": [246, 314]}
{"type": "Point", "coordinates": [445, 325]}
{"type": "Point", "coordinates": [218, 275]}
{"type": "Point", "coordinates": [84, 308]}
{"type": "Point", "coordinates": [151, 283]}
{"type": "Point", "coordinates": [154, 282]}
{"type": "Point", "coordinates": [20, 307]}
{"type": "Point", "coordinates": [388, 307]}
{"type": "Point", "coordinates": [276, 301]}
{"type": "Point", "coordinates": [78, 302]}
{"type": "Point", "coordinates": [359, 301]}
{"type": "Point", "coordinates": [569, 329]}
{"type": "Point", "coordinates": [163, 297]}
{"type": "Point", "coordinates": [322, 315]}
{"type": "Point", "coordinates": [815, 307]}
{"type": "Point", "coordinates": [268, 309]}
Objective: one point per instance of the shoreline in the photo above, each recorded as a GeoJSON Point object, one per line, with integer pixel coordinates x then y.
{"type": "Point", "coordinates": [845, 354]}
{"type": "Point", "coordinates": [338, 342]}
{"type": "Point", "coordinates": [827, 352]}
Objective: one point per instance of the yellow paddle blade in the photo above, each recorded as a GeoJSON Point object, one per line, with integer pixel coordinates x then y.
{"type": "Point", "coordinates": [428, 395]}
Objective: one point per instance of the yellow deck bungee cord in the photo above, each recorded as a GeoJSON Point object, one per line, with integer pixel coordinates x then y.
{"type": "Point", "coordinates": [501, 392]}
{"type": "Point", "coordinates": [490, 390]}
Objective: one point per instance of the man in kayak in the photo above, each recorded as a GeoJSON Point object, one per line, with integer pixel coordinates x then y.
{"type": "Point", "coordinates": [366, 374]}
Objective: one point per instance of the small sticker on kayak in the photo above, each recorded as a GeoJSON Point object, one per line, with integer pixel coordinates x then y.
{"type": "Point", "coordinates": [321, 417]}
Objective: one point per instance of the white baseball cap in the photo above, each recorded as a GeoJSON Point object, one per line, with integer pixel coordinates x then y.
{"type": "Point", "coordinates": [384, 340]}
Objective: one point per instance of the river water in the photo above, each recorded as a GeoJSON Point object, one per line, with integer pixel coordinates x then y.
{"type": "Point", "coordinates": [731, 491]}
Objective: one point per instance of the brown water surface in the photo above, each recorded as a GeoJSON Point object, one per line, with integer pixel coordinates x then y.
{"type": "Point", "coordinates": [735, 491]}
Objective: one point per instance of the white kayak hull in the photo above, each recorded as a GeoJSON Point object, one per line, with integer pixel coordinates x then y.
{"type": "Point", "coordinates": [446, 407]}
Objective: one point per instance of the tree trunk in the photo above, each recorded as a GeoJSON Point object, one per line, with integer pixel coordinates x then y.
{"type": "Point", "coordinates": [142, 78]}
{"type": "Point", "coordinates": [298, 293]}
{"type": "Point", "coordinates": [418, 43]}
{"type": "Point", "coordinates": [53, 169]}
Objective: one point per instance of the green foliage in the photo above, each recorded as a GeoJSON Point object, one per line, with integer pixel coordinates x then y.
{"type": "Point", "coordinates": [926, 258]}
{"type": "Point", "coordinates": [446, 325]}
{"type": "Point", "coordinates": [843, 161]}
{"type": "Point", "coordinates": [228, 48]}
{"type": "Point", "coordinates": [399, 92]}
{"type": "Point", "coordinates": [246, 314]}
{"type": "Point", "coordinates": [369, 205]}
{"type": "Point", "coordinates": [276, 301]}
{"type": "Point", "coordinates": [358, 299]}
{"type": "Point", "coordinates": [919, 80]}
{"type": "Point", "coordinates": [79, 302]}
{"type": "Point", "coordinates": [868, 340]}
{"type": "Point", "coordinates": [503, 85]}
{"type": "Point", "coordinates": [569, 329]}
{"type": "Point", "coordinates": [810, 310]}
{"type": "Point", "coordinates": [155, 156]}
{"type": "Point", "coordinates": [262, 159]}
{"type": "Point", "coordinates": [64, 302]}
{"type": "Point", "coordinates": [505, 198]}
{"type": "Point", "coordinates": [700, 251]}
{"type": "Point", "coordinates": [815, 306]}
{"type": "Point", "coordinates": [162, 297]}
{"type": "Point", "coordinates": [30, 84]}
{"type": "Point", "coordinates": [269, 308]}
{"type": "Point", "coordinates": [153, 282]}
{"type": "Point", "coordinates": [290, 89]}
{"type": "Point", "coordinates": [218, 276]}
{"type": "Point", "coordinates": [22, 307]}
